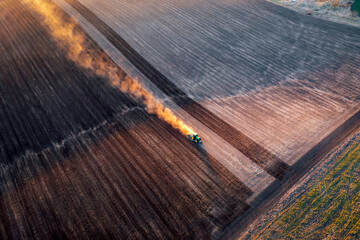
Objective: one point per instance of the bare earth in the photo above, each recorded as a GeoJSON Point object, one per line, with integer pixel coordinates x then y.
{"type": "Point", "coordinates": [269, 90]}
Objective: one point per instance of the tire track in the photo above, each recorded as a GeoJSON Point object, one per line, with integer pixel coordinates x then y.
{"type": "Point", "coordinates": [255, 152]}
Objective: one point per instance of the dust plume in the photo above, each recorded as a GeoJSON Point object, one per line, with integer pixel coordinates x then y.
{"type": "Point", "coordinates": [67, 34]}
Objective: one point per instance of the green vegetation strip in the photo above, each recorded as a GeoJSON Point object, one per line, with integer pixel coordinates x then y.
{"type": "Point", "coordinates": [330, 208]}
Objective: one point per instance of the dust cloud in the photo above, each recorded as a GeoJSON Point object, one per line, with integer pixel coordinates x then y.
{"type": "Point", "coordinates": [69, 37]}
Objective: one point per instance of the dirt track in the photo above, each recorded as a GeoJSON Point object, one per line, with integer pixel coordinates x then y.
{"type": "Point", "coordinates": [244, 144]}
{"type": "Point", "coordinates": [79, 159]}
{"type": "Point", "coordinates": [270, 197]}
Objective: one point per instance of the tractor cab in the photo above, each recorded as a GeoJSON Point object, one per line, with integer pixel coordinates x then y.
{"type": "Point", "coordinates": [195, 138]}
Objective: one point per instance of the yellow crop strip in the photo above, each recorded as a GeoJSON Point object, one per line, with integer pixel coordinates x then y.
{"type": "Point", "coordinates": [330, 208]}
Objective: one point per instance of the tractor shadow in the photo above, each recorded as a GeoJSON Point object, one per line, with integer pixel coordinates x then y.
{"type": "Point", "coordinates": [204, 156]}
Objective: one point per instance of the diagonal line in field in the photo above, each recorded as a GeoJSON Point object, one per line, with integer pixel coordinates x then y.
{"type": "Point", "coordinates": [255, 152]}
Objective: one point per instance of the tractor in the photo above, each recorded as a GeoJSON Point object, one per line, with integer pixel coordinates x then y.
{"type": "Point", "coordinates": [195, 138]}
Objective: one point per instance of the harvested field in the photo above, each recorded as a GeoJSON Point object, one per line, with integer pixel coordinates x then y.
{"type": "Point", "coordinates": [323, 206]}
{"type": "Point", "coordinates": [264, 86]}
